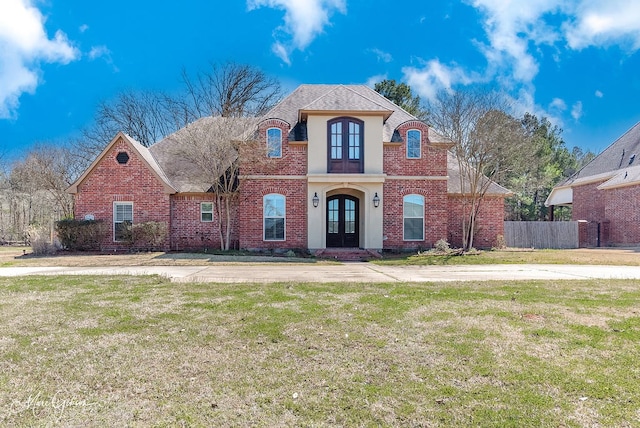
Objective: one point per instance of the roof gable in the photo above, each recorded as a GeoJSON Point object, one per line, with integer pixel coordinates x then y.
{"type": "Point", "coordinates": [143, 153]}
{"type": "Point", "coordinates": [344, 99]}
{"type": "Point", "coordinates": [622, 153]}
{"type": "Point", "coordinates": [340, 99]}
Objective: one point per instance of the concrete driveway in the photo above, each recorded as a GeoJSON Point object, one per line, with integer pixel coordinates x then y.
{"type": "Point", "coordinates": [347, 272]}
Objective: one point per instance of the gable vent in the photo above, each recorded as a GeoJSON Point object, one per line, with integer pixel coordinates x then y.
{"type": "Point", "coordinates": [122, 158]}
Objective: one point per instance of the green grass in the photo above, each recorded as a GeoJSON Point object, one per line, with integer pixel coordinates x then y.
{"type": "Point", "coordinates": [141, 351]}
{"type": "Point", "coordinates": [609, 256]}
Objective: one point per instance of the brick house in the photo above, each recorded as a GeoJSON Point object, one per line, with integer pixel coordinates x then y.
{"type": "Point", "coordinates": [604, 194]}
{"type": "Point", "coordinates": [343, 167]}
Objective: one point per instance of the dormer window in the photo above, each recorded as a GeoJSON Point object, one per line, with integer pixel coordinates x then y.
{"type": "Point", "coordinates": [274, 142]}
{"type": "Point", "coordinates": [345, 145]}
{"type": "Point", "coordinates": [414, 138]}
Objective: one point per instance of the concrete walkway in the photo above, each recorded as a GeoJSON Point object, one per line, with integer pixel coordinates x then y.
{"type": "Point", "coordinates": [347, 272]}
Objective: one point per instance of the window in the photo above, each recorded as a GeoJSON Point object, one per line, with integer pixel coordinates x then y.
{"type": "Point", "coordinates": [274, 142]}
{"type": "Point", "coordinates": [122, 158]}
{"type": "Point", "coordinates": [413, 217]}
{"type": "Point", "coordinates": [122, 220]}
{"type": "Point", "coordinates": [206, 211]}
{"type": "Point", "coordinates": [274, 217]}
{"type": "Point", "coordinates": [414, 138]}
{"type": "Point", "coordinates": [345, 145]}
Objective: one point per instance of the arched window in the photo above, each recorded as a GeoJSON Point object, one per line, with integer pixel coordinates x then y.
{"type": "Point", "coordinates": [414, 138]}
{"type": "Point", "coordinates": [274, 142]}
{"type": "Point", "coordinates": [413, 217]}
{"type": "Point", "coordinates": [345, 145]}
{"type": "Point", "coordinates": [274, 215]}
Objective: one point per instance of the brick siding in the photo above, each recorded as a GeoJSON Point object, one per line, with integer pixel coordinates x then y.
{"type": "Point", "coordinates": [490, 221]}
{"type": "Point", "coordinates": [435, 216]}
{"type": "Point", "coordinates": [251, 229]}
{"type": "Point", "coordinates": [111, 182]}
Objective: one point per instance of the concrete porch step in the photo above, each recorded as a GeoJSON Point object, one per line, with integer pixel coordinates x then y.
{"type": "Point", "coordinates": [348, 254]}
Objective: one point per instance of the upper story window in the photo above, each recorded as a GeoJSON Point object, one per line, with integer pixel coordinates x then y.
{"type": "Point", "coordinates": [274, 142]}
{"type": "Point", "coordinates": [414, 138]}
{"type": "Point", "coordinates": [345, 145]}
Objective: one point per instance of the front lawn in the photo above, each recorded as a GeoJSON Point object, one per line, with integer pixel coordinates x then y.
{"type": "Point", "coordinates": [140, 351]}
{"type": "Point", "coordinates": [581, 256]}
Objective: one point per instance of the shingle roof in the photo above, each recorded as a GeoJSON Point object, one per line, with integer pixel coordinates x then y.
{"type": "Point", "coordinates": [183, 174]}
{"type": "Point", "coordinates": [341, 98]}
{"type": "Point", "coordinates": [454, 186]}
{"type": "Point", "coordinates": [622, 153]}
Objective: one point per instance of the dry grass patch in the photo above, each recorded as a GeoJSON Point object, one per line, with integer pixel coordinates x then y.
{"type": "Point", "coordinates": [140, 351]}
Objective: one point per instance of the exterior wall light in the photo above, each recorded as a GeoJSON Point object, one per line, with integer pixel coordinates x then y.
{"type": "Point", "coordinates": [376, 200]}
{"type": "Point", "coordinates": [315, 200]}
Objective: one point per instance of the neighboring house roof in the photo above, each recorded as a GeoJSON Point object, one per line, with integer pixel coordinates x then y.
{"type": "Point", "coordinates": [342, 99]}
{"type": "Point", "coordinates": [454, 185]}
{"type": "Point", "coordinates": [616, 164]}
{"type": "Point", "coordinates": [142, 152]}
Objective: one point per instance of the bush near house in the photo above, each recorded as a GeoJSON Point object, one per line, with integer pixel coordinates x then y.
{"type": "Point", "coordinates": [81, 235]}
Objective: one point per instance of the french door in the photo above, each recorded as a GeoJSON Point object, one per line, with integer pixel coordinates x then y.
{"type": "Point", "coordinates": [342, 221]}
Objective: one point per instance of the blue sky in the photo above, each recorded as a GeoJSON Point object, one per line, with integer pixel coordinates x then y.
{"type": "Point", "coordinates": [573, 61]}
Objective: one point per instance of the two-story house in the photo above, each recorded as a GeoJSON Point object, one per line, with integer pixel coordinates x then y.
{"type": "Point", "coordinates": [344, 167]}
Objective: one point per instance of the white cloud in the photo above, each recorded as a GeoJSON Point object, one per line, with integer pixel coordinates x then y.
{"type": "Point", "coordinates": [25, 45]}
{"type": "Point", "coordinates": [558, 104]}
{"type": "Point", "coordinates": [599, 94]}
{"type": "Point", "coordinates": [281, 52]}
{"type": "Point", "coordinates": [382, 55]}
{"type": "Point", "coordinates": [603, 23]}
{"type": "Point", "coordinates": [104, 53]}
{"type": "Point", "coordinates": [304, 20]}
{"type": "Point", "coordinates": [99, 51]}
{"type": "Point", "coordinates": [371, 81]}
{"type": "Point", "coordinates": [83, 28]}
{"type": "Point", "coordinates": [434, 77]}
{"type": "Point", "coordinates": [576, 110]}
{"type": "Point", "coordinates": [516, 33]}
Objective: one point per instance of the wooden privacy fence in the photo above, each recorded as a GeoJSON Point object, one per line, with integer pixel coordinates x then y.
{"type": "Point", "coordinates": [541, 234]}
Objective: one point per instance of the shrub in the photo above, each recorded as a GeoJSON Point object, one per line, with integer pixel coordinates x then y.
{"type": "Point", "coordinates": [81, 235]}
{"type": "Point", "coordinates": [442, 246]}
{"type": "Point", "coordinates": [40, 242]}
{"type": "Point", "coordinates": [149, 235]}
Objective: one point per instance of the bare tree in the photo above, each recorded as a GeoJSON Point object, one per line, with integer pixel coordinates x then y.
{"type": "Point", "coordinates": [230, 90]}
{"type": "Point", "coordinates": [145, 116]}
{"type": "Point", "coordinates": [211, 147]}
{"type": "Point", "coordinates": [487, 143]}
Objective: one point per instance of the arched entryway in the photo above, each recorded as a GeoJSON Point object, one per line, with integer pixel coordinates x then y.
{"type": "Point", "coordinates": [343, 221]}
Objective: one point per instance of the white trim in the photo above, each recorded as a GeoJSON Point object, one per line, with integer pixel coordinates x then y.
{"type": "Point", "coordinates": [273, 177]}
{"type": "Point", "coordinates": [418, 177]}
